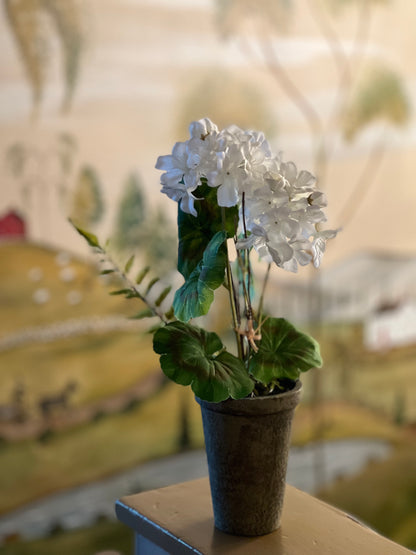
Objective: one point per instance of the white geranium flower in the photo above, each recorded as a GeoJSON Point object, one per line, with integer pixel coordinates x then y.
{"type": "Point", "coordinates": [228, 175]}
{"type": "Point", "coordinates": [202, 129]}
{"type": "Point", "coordinates": [279, 206]}
{"type": "Point", "coordinates": [319, 245]}
{"type": "Point", "coordinates": [286, 212]}
{"type": "Point", "coordinates": [257, 239]}
{"type": "Point", "coordinates": [257, 160]}
{"type": "Point", "coordinates": [180, 194]}
{"type": "Point", "coordinates": [178, 181]}
{"type": "Point", "coordinates": [202, 146]}
{"type": "Point", "coordinates": [301, 182]}
{"type": "Point", "coordinates": [302, 252]}
{"type": "Point", "coordinates": [281, 253]}
{"type": "Point", "coordinates": [187, 163]}
{"type": "Point", "coordinates": [317, 198]}
{"type": "Point", "coordinates": [176, 167]}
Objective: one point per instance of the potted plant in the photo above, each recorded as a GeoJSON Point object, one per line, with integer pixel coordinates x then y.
{"type": "Point", "coordinates": [236, 198]}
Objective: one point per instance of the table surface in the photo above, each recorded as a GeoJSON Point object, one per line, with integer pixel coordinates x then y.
{"type": "Point", "coordinates": [179, 519]}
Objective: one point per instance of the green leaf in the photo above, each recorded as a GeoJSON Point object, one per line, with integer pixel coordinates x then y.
{"type": "Point", "coordinates": [380, 95]}
{"type": "Point", "coordinates": [107, 271]}
{"type": "Point", "coordinates": [195, 296]}
{"type": "Point", "coordinates": [129, 264]}
{"type": "Point", "coordinates": [195, 233]}
{"type": "Point", "coordinates": [170, 314]}
{"type": "Point", "coordinates": [195, 357]}
{"type": "Point", "coordinates": [284, 352]}
{"type": "Point", "coordinates": [121, 292]}
{"type": "Point", "coordinates": [163, 295]}
{"type": "Point", "coordinates": [151, 283]}
{"type": "Point", "coordinates": [89, 237]}
{"type": "Point", "coordinates": [140, 277]}
{"type": "Point", "coordinates": [145, 313]}
{"type": "Point", "coordinates": [132, 294]}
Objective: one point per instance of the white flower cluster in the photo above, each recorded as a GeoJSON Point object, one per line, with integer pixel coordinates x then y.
{"type": "Point", "coordinates": [280, 208]}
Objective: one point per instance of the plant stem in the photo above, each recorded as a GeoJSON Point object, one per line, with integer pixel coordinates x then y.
{"type": "Point", "coordinates": [243, 258]}
{"type": "Point", "coordinates": [233, 298]}
{"type": "Point", "coordinates": [247, 267]}
{"type": "Point", "coordinates": [132, 286]}
{"type": "Point", "coordinates": [363, 184]}
{"type": "Point", "coordinates": [263, 291]}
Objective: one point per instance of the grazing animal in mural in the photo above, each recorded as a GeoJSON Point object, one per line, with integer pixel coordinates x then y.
{"type": "Point", "coordinates": [50, 403]}
{"type": "Point", "coordinates": [15, 410]}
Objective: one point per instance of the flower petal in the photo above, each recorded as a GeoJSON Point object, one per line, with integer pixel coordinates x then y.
{"type": "Point", "coordinates": [227, 194]}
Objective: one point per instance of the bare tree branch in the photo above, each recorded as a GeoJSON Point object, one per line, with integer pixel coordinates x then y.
{"type": "Point", "coordinates": [363, 184]}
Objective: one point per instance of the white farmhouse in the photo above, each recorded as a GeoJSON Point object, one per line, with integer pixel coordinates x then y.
{"type": "Point", "coordinates": [376, 289]}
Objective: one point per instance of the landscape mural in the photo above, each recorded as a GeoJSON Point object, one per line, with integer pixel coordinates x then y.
{"type": "Point", "coordinates": [91, 94]}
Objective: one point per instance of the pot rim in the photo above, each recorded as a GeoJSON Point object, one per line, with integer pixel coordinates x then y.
{"type": "Point", "coordinates": [258, 406]}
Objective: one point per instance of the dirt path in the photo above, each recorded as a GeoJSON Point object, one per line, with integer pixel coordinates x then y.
{"type": "Point", "coordinates": [68, 328]}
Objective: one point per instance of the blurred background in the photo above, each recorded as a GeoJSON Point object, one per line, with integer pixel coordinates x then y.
{"type": "Point", "coordinates": [92, 92]}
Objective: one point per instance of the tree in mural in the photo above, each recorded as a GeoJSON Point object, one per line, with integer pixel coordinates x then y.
{"type": "Point", "coordinates": [35, 24]}
{"type": "Point", "coordinates": [161, 241]}
{"type": "Point", "coordinates": [226, 99]}
{"type": "Point", "coordinates": [139, 229]}
{"type": "Point", "coordinates": [131, 215]}
{"type": "Point", "coordinates": [87, 204]}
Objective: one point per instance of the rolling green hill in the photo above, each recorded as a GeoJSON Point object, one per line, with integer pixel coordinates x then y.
{"type": "Point", "coordinates": [40, 286]}
{"type": "Point", "coordinates": [383, 496]}
{"type": "Point", "coordinates": [65, 327]}
{"type": "Point", "coordinates": [104, 364]}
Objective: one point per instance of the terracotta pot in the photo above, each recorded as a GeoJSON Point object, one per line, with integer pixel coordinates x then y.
{"type": "Point", "coordinates": [247, 446]}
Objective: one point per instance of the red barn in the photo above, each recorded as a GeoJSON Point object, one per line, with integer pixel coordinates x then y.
{"type": "Point", "coordinates": [12, 226]}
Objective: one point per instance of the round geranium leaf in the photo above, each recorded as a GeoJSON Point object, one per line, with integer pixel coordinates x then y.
{"type": "Point", "coordinates": [195, 357]}
{"type": "Point", "coordinates": [284, 352]}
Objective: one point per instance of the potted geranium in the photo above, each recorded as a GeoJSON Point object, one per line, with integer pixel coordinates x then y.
{"type": "Point", "coordinates": [234, 197]}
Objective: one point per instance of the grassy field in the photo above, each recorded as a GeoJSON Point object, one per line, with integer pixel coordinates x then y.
{"type": "Point", "coordinates": [103, 536]}
{"type": "Point", "coordinates": [73, 288]}
{"type": "Point", "coordinates": [333, 420]}
{"type": "Point", "coordinates": [30, 469]}
{"type": "Point", "coordinates": [384, 381]}
{"type": "Point", "coordinates": [362, 394]}
{"type": "Point", "coordinates": [101, 365]}
{"type": "Point", "coordinates": [383, 496]}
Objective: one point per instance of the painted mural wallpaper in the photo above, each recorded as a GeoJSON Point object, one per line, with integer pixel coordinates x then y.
{"type": "Point", "coordinates": [92, 92]}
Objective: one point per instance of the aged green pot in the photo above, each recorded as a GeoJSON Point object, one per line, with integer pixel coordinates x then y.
{"type": "Point", "coordinates": [247, 446]}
